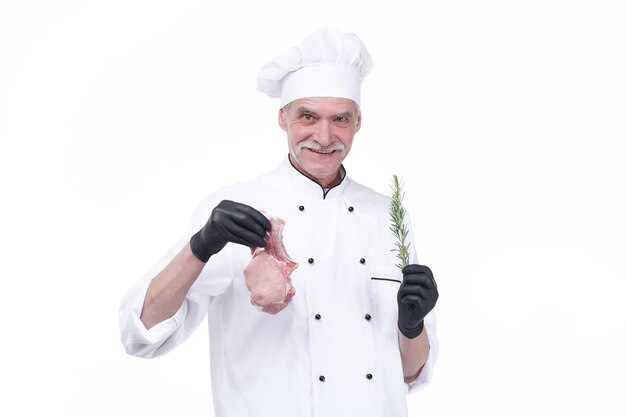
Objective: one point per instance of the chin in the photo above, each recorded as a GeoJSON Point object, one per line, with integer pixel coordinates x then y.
{"type": "Point", "coordinates": [317, 168]}
{"type": "Point", "coordinates": [322, 174]}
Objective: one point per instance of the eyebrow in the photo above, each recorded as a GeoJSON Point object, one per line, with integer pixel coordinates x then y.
{"type": "Point", "coordinates": [303, 109]}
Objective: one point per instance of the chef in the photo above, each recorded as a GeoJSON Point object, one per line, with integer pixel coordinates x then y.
{"type": "Point", "coordinates": [359, 334]}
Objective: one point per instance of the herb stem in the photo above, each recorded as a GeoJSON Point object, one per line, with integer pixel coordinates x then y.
{"type": "Point", "coordinates": [398, 227]}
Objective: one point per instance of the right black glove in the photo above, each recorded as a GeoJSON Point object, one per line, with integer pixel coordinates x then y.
{"type": "Point", "coordinates": [416, 297]}
{"type": "Point", "coordinates": [230, 222]}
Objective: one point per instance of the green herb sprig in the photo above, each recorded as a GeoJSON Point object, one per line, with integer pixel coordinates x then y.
{"type": "Point", "coordinates": [399, 229]}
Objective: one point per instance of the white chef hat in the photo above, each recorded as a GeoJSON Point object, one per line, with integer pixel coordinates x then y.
{"type": "Point", "coordinates": [328, 63]}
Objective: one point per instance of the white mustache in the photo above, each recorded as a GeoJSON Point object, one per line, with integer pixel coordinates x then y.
{"type": "Point", "coordinates": [316, 147]}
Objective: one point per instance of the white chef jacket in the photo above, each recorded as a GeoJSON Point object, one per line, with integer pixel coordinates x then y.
{"type": "Point", "coordinates": [333, 351]}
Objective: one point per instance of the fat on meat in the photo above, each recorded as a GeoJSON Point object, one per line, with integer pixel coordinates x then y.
{"type": "Point", "coordinates": [267, 276]}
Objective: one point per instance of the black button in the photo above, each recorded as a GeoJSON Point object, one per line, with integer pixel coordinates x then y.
{"type": "Point", "coordinates": [368, 317]}
{"type": "Point", "coordinates": [301, 208]}
{"type": "Point", "coordinates": [322, 378]}
{"type": "Point", "coordinates": [350, 209]}
{"type": "Point", "coordinates": [317, 317]}
{"type": "Point", "coordinates": [362, 260]}
{"type": "Point", "coordinates": [311, 260]}
{"type": "Point", "coordinates": [369, 376]}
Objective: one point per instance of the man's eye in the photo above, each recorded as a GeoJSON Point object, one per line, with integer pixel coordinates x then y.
{"type": "Point", "coordinates": [341, 119]}
{"type": "Point", "coordinates": [307, 117]}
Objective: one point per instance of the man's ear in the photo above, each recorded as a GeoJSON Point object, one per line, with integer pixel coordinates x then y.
{"type": "Point", "coordinates": [282, 119]}
{"type": "Point", "coordinates": [358, 122]}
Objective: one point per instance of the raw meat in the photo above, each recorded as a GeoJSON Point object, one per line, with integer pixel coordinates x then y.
{"type": "Point", "coordinates": [267, 275]}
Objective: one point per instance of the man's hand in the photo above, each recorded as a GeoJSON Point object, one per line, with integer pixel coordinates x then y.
{"type": "Point", "coordinates": [416, 297]}
{"type": "Point", "coordinates": [230, 222]}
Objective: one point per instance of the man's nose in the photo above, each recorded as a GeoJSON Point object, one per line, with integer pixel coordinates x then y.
{"type": "Point", "coordinates": [324, 134]}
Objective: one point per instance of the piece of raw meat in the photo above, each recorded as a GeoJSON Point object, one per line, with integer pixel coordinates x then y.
{"type": "Point", "coordinates": [267, 274]}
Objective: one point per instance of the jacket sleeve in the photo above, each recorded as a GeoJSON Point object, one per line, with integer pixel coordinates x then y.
{"type": "Point", "coordinates": [214, 279]}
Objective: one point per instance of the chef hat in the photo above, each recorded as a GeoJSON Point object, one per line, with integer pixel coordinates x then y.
{"type": "Point", "coordinates": [328, 63]}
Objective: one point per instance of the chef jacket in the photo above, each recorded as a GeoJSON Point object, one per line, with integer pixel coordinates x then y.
{"type": "Point", "coordinates": [333, 351]}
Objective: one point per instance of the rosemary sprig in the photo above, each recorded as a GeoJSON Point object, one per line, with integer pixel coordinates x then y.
{"type": "Point", "coordinates": [399, 229]}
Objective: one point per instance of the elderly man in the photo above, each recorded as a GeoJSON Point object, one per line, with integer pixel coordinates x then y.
{"type": "Point", "coordinates": [359, 332]}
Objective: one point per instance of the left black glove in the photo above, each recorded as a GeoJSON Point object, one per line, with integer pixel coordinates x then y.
{"type": "Point", "coordinates": [416, 297]}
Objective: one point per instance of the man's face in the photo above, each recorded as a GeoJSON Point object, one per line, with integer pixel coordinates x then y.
{"type": "Point", "coordinates": [319, 133]}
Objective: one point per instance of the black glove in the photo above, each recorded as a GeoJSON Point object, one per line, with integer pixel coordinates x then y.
{"type": "Point", "coordinates": [416, 297]}
{"type": "Point", "coordinates": [230, 222]}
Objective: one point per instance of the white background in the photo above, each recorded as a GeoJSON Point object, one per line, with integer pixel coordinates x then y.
{"type": "Point", "coordinates": [506, 120]}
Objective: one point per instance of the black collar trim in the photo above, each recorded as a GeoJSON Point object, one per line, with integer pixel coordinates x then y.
{"type": "Point", "coordinates": [325, 191]}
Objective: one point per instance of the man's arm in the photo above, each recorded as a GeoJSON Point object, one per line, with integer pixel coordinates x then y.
{"type": "Point", "coordinates": [414, 353]}
{"type": "Point", "coordinates": [168, 289]}
{"type": "Point", "coordinates": [416, 297]}
{"type": "Point", "coordinates": [229, 222]}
